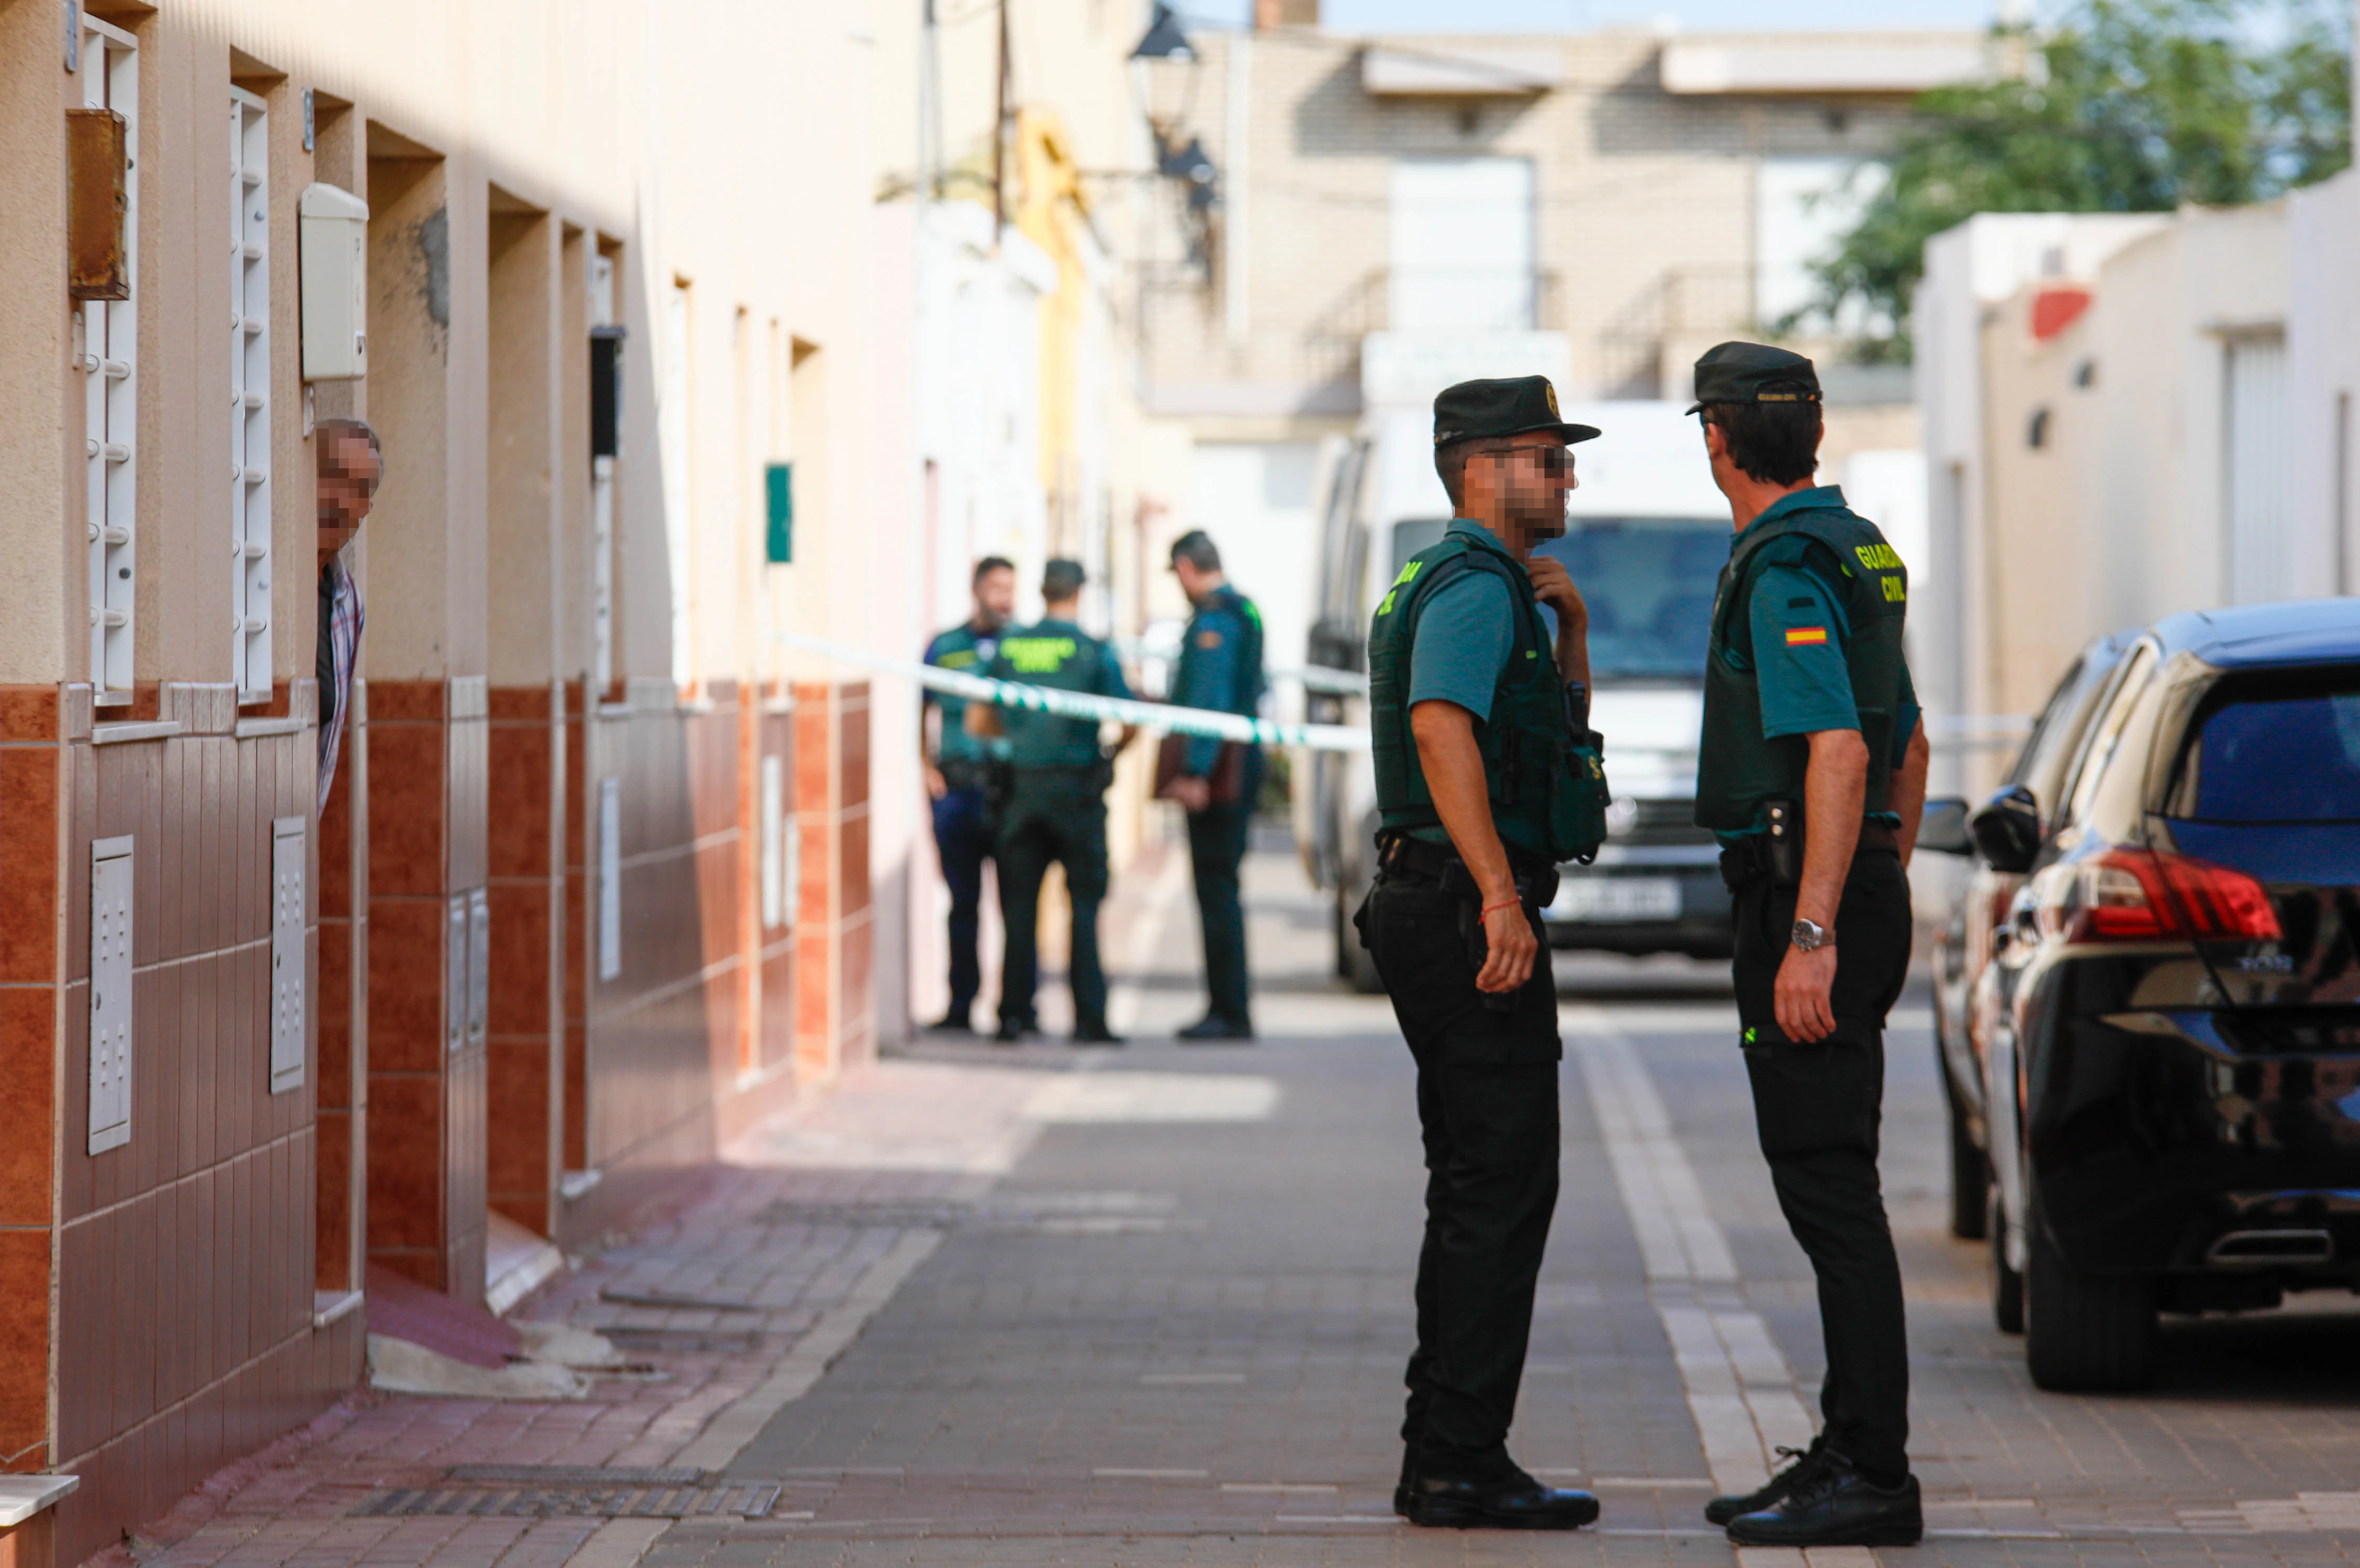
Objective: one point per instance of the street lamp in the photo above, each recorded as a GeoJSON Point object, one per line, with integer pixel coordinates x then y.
{"type": "Point", "coordinates": [1164, 40]}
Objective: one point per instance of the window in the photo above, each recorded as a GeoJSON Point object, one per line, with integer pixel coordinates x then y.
{"type": "Point", "coordinates": [673, 415]}
{"type": "Point", "coordinates": [2277, 749]}
{"type": "Point", "coordinates": [1462, 248]}
{"type": "Point", "coordinates": [110, 344]}
{"type": "Point", "coordinates": [249, 395]}
{"type": "Point", "coordinates": [605, 443]}
{"type": "Point", "coordinates": [1649, 583]}
{"type": "Point", "coordinates": [2114, 713]}
{"type": "Point", "coordinates": [1803, 209]}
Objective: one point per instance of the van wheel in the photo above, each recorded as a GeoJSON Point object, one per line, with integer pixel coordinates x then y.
{"type": "Point", "coordinates": [1354, 966]}
{"type": "Point", "coordinates": [2007, 1284]}
{"type": "Point", "coordinates": [2085, 1332]}
{"type": "Point", "coordinates": [1970, 1171]}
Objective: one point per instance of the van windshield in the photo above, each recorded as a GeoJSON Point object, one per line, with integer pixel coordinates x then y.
{"type": "Point", "coordinates": [1648, 583]}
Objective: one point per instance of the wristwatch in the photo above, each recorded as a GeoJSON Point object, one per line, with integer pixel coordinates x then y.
{"type": "Point", "coordinates": [1810, 936]}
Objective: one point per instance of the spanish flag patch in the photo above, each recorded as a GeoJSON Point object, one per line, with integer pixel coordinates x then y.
{"type": "Point", "coordinates": [1805, 636]}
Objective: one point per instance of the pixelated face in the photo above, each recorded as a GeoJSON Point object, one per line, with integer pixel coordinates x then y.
{"type": "Point", "coordinates": [1193, 579]}
{"type": "Point", "coordinates": [1535, 476]}
{"type": "Point", "coordinates": [348, 476]}
{"type": "Point", "coordinates": [994, 595]}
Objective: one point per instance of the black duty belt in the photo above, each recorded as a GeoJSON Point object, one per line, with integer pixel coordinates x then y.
{"type": "Point", "coordinates": [961, 773]}
{"type": "Point", "coordinates": [1402, 853]}
{"type": "Point", "coordinates": [1750, 858]}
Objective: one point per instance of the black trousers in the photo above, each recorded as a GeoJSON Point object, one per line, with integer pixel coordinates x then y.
{"type": "Point", "coordinates": [963, 843]}
{"type": "Point", "coordinates": [1217, 847]}
{"type": "Point", "coordinates": [1052, 817]}
{"type": "Point", "coordinates": [1487, 1110]}
{"type": "Point", "coordinates": [1817, 1109]}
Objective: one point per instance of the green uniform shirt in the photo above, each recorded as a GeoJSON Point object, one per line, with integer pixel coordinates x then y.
{"type": "Point", "coordinates": [970, 652]}
{"type": "Point", "coordinates": [1059, 654]}
{"type": "Point", "coordinates": [1465, 634]}
{"type": "Point", "coordinates": [1796, 650]}
{"type": "Point", "coordinates": [1220, 669]}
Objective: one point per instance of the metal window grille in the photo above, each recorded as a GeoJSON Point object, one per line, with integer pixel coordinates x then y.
{"type": "Point", "coordinates": [250, 395]}
{"type": "Point", "coordinates": [602, 503]}
{"type": "Point", "coordinates": [289, 857]}
{"type": "Point", "coordinates": [110, 993]}
{"type": "Point", "coordinates": [110, 341]}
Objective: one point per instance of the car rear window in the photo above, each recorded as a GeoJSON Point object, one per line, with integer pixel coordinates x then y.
{"type": "Point", "coordinates": [2276, 758]}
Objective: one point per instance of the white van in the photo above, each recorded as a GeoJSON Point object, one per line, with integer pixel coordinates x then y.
{"type": "Point", "coordinates": [1647, 537]}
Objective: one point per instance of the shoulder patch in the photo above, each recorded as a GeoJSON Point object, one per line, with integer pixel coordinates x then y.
{"type": "Point", "coordinates": [1805, 636]}
{"type": "Point", "coordinates": [1209, 639]}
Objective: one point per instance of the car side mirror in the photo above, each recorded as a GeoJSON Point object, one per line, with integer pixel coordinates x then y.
{"type": "Point", "coordinates": [1943, 828]}
{"type": "Point", "coordinates": [2007, 830]}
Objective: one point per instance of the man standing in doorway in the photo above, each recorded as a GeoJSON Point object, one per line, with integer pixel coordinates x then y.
{"type": "Point", "coordinates": [349, 465]}
{"type": "Point", "coordinates": [1217, 780]}
{"type": "Point", "coordinates": [1474, 715]}
{"type": "Point", "coordinates": [1812, 774]}
{"type": "Point", "coordinates": [956, 768]}
{"type": "Point", "coordinates": [1056, 804]}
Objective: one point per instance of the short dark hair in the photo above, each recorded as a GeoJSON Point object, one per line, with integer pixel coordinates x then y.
{"type": "Point", "coordinates": [989, 564]}
{"type": "Point", "coordinates": [346, 430]}
{"type": "Point", "coordinates": [1775, 443]}
{"type": "Point", "coordinates": [1450, 462]}
{"type": "Point", "coordinates": [1196, 548]}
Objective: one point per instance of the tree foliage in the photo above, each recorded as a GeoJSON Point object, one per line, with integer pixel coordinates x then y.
{"type": "Point", "coordinates": [2126, 107]}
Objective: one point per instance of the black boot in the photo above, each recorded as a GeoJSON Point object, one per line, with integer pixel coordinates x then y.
{"type": "Point", "coordinates": [955, 1021]}
{"type": "Point", "coordinates": [1837, 1506]}
{"type": "Point", "coordinates": [1806, 1464]}
{"type": "Point", "coordinates": [1213, 1027]}
{"type": "Point", "coordinates": [1094, 1032]}
{"type": "Point", "coordinates": [1011, 1030]}
{"type": "Point", "coordinates": [1513, 1501]}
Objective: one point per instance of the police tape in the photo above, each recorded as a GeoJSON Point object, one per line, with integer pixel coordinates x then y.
{"type": "Point", "coordinates": [1082, 706]}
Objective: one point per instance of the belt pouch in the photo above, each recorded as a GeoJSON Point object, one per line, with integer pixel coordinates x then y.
{"type": "Point", "coordinates": [1782, 842]}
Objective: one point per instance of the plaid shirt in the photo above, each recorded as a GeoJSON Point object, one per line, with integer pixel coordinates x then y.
{"type": "Point", "coordinates": [342, 615]}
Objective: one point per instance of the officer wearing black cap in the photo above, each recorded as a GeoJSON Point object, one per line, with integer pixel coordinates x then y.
{"type": "Point", "coordinates": [1220, 669]}
{"type": "Point", "coordinates": [1813, 772]}
{"type": "Point", "coordinates": [1056, 804]}
{"type": "Point", "coordinates": [1487, 778]}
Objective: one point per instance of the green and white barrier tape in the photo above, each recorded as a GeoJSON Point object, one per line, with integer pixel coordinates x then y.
{"type": "Point", "coordinates": [1080, 705]}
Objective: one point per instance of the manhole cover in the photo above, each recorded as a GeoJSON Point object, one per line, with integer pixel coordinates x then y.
{"type": "Point", "coordinates": [525, 1491]}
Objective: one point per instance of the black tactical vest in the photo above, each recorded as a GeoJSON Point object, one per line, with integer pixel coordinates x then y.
{"type": "Point", "coordinates": [1738, 770]}
{"type": "Point", "coordinates": [1547, 787]}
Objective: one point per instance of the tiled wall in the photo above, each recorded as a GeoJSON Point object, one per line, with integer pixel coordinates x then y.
{"type": "Point", "coordinates": [183, 1331]}
{"type": "Point", "coordinates": [835, 1022]}
{"type": "Point", "coordinates": [428, 743]}
{"type": "Point", "coordinates": [525, 837]}
{"type": "Point", "coordinates": [341, 1016]}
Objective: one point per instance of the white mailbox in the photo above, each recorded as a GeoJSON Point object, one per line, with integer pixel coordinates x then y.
{"type": "Point", "coordinates": [335, 284]}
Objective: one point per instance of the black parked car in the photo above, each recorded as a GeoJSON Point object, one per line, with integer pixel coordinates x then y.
{"type": "Point", "coordinates": [1962, 954]}
{"type": "Point", "coordinates": [2171, 1016]}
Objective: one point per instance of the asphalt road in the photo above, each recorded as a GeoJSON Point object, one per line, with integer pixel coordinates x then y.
{"type": "Point", "coordinates": [1171, 1331]}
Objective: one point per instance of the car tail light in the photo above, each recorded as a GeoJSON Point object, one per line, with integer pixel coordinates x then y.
{"type": "Point", "coordinates": [2133, 895]}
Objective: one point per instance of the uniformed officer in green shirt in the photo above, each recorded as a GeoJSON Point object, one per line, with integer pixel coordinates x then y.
{"type": "Point", "coordinates": [1486, 780]}
{"type": "Point", "coordinates": [1220, 669]}
{"type": "Point", "coordinates": [1056, 804]}
{"type": "Point", "coordinates": [956, 769]}
{"type": "Point", "coordinates": [1813, 772]}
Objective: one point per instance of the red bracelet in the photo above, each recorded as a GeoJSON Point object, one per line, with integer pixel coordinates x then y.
{"type": "Point", "coordinates": [1503, 904]}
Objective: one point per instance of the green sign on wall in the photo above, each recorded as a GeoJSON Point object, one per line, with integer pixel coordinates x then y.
{"type": "Point", "coordinates": [779, 496]}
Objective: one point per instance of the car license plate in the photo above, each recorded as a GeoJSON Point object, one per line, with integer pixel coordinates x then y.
{"type": "Point", "coordinates": [1599, 899]}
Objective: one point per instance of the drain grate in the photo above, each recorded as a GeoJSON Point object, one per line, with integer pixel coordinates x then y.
{"type": "Point", "coordinates": [564, 1491]}
{"type": "Point", "coordinates": [683, 1339]}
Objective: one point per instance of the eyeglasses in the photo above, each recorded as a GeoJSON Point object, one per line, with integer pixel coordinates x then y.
{"type": "Point", "coordinates": [1555, 462]}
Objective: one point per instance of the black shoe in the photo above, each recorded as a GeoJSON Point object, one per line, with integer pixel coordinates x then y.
{"type": "Point", "coordinates": [1010, 1031]}
{"type": "Point", "coordinates": [956, 1021]}
{"type": "Point", "coordinates": [1513, 1501]}
{"type": "Point", "coordinates": [1401, 1498]}
{"type": "Point", "coordinates": [1836, 1507]}
{"type": "Point", "coordinates": [1212, 1026]}
{"type": "Point", "coordinates": [1096, 1034]}
{"type": "Point", "coordinates": [1806, 1464]}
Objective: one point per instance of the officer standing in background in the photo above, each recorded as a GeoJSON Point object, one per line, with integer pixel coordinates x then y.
{"type": "Point", "coordinates": [1056, 804]}
{"type": "Point", "coordinates": [1812, 773]}
{"type": "Point", "coordinates": [1215, 780]}
{"type": "Point", "coordinates": [954, 778]}
{"type": "Point", "coordinates": [1475, 719]}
